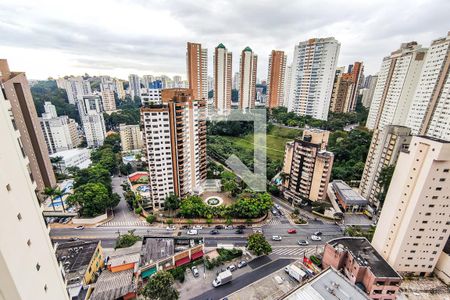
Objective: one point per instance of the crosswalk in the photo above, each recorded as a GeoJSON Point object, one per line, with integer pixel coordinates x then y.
{"type": "Point", "coordinates": [274, 221]}
{"type": "Point", "coordinates": [125, 224]}
{"type": "Point", "coordinates": [296, 251]}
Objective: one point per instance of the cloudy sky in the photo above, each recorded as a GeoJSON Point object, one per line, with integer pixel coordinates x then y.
{"type": "Point", "coordinates": [119, 37]}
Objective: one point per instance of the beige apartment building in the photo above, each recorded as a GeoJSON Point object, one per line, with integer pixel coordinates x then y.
{"type": "Point", "coordinates": [17, 91]}
{"type": "Point", "coordinates": [223, 63]}
{"type": "Point", "coordinates": [28, 266]}
{"type": "Point", "coordinates": [130, 137]}
{"type": "Point", "coordinates": [197, 70]}
{"type": "Point", "coordinates": [384, 150]}
{"type": "Point", "coordinates": [108, 100]}
{"type": "Point", "coordinates": [276, 78]}
{"type": "Point", "coordinates": [414, 224]}
{"type": "Point", "coordinates": [247, 87]}
{"type": "Point", "coordinates": [308, 167]}
{"type": "Point", "coordinates": [346, 89]}
{"type": "Point", "coordinates": [175, 143]}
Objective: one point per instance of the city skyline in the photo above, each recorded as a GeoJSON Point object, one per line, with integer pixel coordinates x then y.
{"type": "Point", "coordinates": [124, 48]}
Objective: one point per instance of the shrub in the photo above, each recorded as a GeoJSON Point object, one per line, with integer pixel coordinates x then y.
{"type": "Point", "coordinates": [127, 240]}
{"type": "Point", "coordinates": [178, 273]}
{"type": "Point", "coordinates": [150, 219]}
{"type": "Point", "coordinates": [138, 210]}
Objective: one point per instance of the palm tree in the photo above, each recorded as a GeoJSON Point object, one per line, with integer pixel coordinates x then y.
{"type": "Point", "coordinates": [50, 192]}
{"type": "Point", "coordinates": [59, 193]}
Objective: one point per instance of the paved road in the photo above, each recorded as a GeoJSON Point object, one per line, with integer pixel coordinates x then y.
{"type": "Point", "coordinates": [244, 280]}
{"type": "Point", "coordinates": [122, 215]}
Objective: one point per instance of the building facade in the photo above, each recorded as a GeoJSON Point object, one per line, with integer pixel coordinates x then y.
{"type": "Point", "coordinates": [346, 89]}
{"type": "Point", "coordinates": [17, 92]}
{"type": "Point", "coordinates": [108, 100]}
{"type": "Point", "coordinates": [60, 133]}
{"type": "Point", "coordinates": [223, 61]}
{"type": "Point", "coordinates": [414, 224]}
{"type": "Point", "coordinates": [28, 265]}
{"type": "Point", "coordinates": [175, 141]}
{"type": "Point", "coordinates": [119, 89]}
{"type": "Point", "coordinates": [91, 113]}
{"type": "Point", "coordinates": [76, 87]}
{"type": "Point", "coordinates": [197, 70]}
{"type": "Point", "coordinates": [367, 95]}
{"type": "Point", "coordinates": [247, 86]}
{"type": "Point", "coordinates": [384, 150]}
{"type": "Point", "coordinates": [276, 79]}
{"type": "Point", "coordinates": [308, 167]}
{"type": "Point", "coordinates": [313, 71]}
{"type": "Point", "coordinates": [130, 137]}
{"type": "Point", "coordinates": [134, 85]}
{"type": "Point", "coordinates": [151, 97]}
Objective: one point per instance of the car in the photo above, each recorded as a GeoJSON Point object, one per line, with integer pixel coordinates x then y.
{"type": "Point", "coordinates": [303, 242]}
{"type": "Point", "coordinates": [316, 238]}
{"type": "Point", "coordinates": [276, 238]}
{"type": "Point", "coordinates": [185, 227]}
{"type": "Point", "coordinates": [242, 264]}
{"type": "Point", "coordinates": [278, 206]}
{"type": "Point", "coordinates": [240, 227]}
{"type": "Point", "coordinates": [219, 227]}
{"type": "Point", "coordinates": [195, 272]}
{"type": "Point", "coordinates": [232, 268]}
{"type": "Point", "coordinates": [214, 231]}
{"type": "Point", "coordinates": [73, 239]}
{"type": "Point", "coordinates": [197, 227]}
{"type": "Point", "coordinates": [80, 227]}
{"type": "Point", "coordinates": [61, 220]}
{"type": "Point", "coordinates": [192, 232]}
{"type": "Point", "coordinates": [171, 227]}
{"type": "Point", "coordinates": [318, 233]}
{"type": "Point", "coordinates": [67, 220]}
{"type": "Point", "coordinates": [274, 212]}
{"type": "Point", "coordinates": [257, 230]}
{"type": "Point", "coordinates": [286, 269]}
{"type": "Point", "coordinates": [291, 231]}
{"type": "Point", "coordinates": [229, 227]}
{"type": "Point", "coordinates": [239, 231]}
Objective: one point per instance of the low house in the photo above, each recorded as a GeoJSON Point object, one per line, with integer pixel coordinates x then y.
{"type": "Point", "coordinates": [114, 285]}
{"type": "Point", "coordinates": [348, 199]}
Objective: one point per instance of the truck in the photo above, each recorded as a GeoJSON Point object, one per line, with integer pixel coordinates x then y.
{"type": "Point", "coordinates": [222, 278]}
{"type": "Point", "coordinates": [295, 272]}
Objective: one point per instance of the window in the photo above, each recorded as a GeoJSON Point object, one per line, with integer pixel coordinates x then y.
{"type": "Point", "coordinates": [8, 187]}
{"type": "Point", "coordinates": [38, 266]}
{"type": "Point", "coordinates": [29, 242]}
{"type": "Point", "coordinates": [19, 216]}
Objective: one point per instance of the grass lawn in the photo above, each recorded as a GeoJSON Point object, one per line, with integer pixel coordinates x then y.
{"type": "Point", "coordinates": [275, 141]}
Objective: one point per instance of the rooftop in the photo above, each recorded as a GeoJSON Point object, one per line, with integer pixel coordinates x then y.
{"type": "Point", "coordinates": [70, 153]}
{"type": "Point", "coordinates": [155, 249]}
{"type": "Point", "coordinates": [113, 285]}
{"type": "Point", "coordinates": [124, 259]}
{"type": "Point", "coordinates": [347, 194]}
{"type": "Point", "coordinates": [248, 48]}
{"type": "Point", "coordinates": [329, 284]}
{"type": "Point", "coordinates": [365, 255]}
{"type": "Point", "coordinates": [221, 46]}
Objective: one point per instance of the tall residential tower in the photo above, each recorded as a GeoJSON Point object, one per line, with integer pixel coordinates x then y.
{"type": "Point", "coordinates": [197, 70]}
{"type": "Point", "coordinates": [276, 78]}
{"type": "Point", "coordinates": [222, 79]}
{"type": "Point", "coordinates": [247, 86]}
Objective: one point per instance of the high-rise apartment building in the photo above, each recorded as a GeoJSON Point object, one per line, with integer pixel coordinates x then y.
{"type": "Point", "coordinates": [119, 89]}
{"type": "Point", "coordinates": [222, 79]}
{"type": "Point", "coordinates": [396, 84]}
{"type": "Point", "coordinates": [236, 80]}
{"type": "Point", "coordinates": [147, 80]}
{"type": "Point", "coordinates": [276, 79]}
{"type": "Point", "coordinates": [367, 93]}
{"type": "Point", "coordinates": [197, 70]}
{"type": "Point", "coordinates": [76, 87]}
{"type": "Point", "coordinates": [151, 97]}
{"type": "Point", "coordinates": [28, 266]}
{"type": "Point", "coordinates": [178, 81]}
{"type": "Point", "coordinates": [341, 95]}
{"type": "Point", "coordinates": [60, 133]}
{"type": "Point", "coordinates": [383, 152]}
{"type": "Point", "coordinates": [130, 137]}
{"type": "Point", "coordinates": [313, 71]}
{"type": "Point", "coordinates": [108, 100]}
{"type": "Point", "coordinates": [287, 85]}
{"type": "Point", "coordinates": [134, 85]}
{"type": "Point", "coordinates": [247, 86]}
{"type": "Point", "coordinates": [430, 110]}
{"type": "Point", "coordinates": [175, 141]}
{"type": "Point", "coordinates": [18, 93]}
{"type": "Point", "coordinates": [308, 167]}
{"type": "Point", "coordinates": [91, 114]}
{"type": "Point", "coordinates": [414, 224]}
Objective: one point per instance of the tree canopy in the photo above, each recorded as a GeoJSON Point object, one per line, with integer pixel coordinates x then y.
{"type": "Point", "coordinates": [258, 244]}
{"type": "Point", "coordinates": [160, 287]}
{"type": "Point", "coordinates": [93, 199]}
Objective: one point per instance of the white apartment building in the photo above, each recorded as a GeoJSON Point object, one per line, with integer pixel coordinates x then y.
{"type": "Point", "coordinates": [119, 88]}
{"type": "Point", "coordinates": [396, 84]}
{"type": "Point", "coordinates": [313, 70]}
{"type": "Point", "coordinates": [147, 80]}
{"type": "Point", "coordinates": [60, 133]}
{"type": "Point", "coordinates": [91, 114]}
{"type": "Point", "coordinates": [236, 81]}
{"type": "Point", "coordinates": [222, 79]}
{"type": "Point", "coordinates": [367, 93]}
{"type": "Point", "coordinates": [151, 97]}
{"type": "Point", "coordinates": [430, 110]}
{"type": "Point", "coordinates": [78, 157]}
{"type": "Point", "coordinates": [247, 87]}
{"type": "Point", "coordinates": [384, 150]}
{"type": "Point", "coordinates": [76, 88]}
{"type": "Point", "coordinates": [175, 142]}
{"type": "Point", "coordinates": [134, 85]}
{"type": "Point", "coordinates": [130, 137]}
{"type": "Point", "coordinates": [28, 266]}
{"type": "Point", "coordinates": [108, 100]}
{"type": "Point", "coordinates": [287, 85]}
{"type": "Point", "coordinates": [414, 224]}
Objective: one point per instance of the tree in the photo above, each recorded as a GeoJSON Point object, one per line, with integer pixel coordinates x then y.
{"type": "Point", "coordinates": [113, 141]}
{"type": "Point", "coordinates": [50, 192]}
{"type": "Point", "coordinates": [258, 245]}
{"type": "Point", "coordinates": [150, 219]}
{"type": "Point", "coordinates": [59, 193]}
{"type": "Point", "coordinates": [384, 180]}
{"type": "Point", "coordinates": [171, 202]}
{"type": "Point", "coordinates": [160, 287]}
{"type": "Point", "coordinates": [93, 199]}
{"type": "Point", "coordinates": [127, 240]}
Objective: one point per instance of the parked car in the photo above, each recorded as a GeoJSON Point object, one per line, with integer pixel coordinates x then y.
{"type": "Point", "coordinates": [316, 238]}
{"type": "Point", "coordinates": [219, 227]}
{"type": "Point", "coordinates": [192, 232]}
{"type": "Point", "coordinates": [276, 238]}
{"type": "Point", "coordinates": [277, 206]}
{"type": "Point", "coordinates": [61, 220]}
{"type": "Point", "coordinates": [67, 220]}
{"type": "Point", "coordinates": [229, 227]}
{"type": "Point", "coordinates": [214, 231]}
{"type": "Point", "coordinates": [240, 227]}
{"type": "Point", "coordinates": [239, 231]}
{"type": "Point", "coordinates": [292, 231]}
{"type": "Point", "coordinates": [242, 264]}
{"type": "Point", "coordinates": [197, 227]}
{"type": "Point", "coordinates": [80, 227]}
{"type": "Point", "coordinates": [318, 233]}
{"type": "Point", "coordinates": [274, 212]}
{"type": "Point", "coordinates": [257, 230]}
{"type": "Point", "coordinates": [232, 268]}
{"type": "Point", "coordinates": [171, 227]}
{"type": "Point", "coordinates": [185, 227]}
{"type": "Point", "coordinates": [195, 271]}
{"type": "Point", "coordinates": [303, 242]}
{"type": "Point", "coordinates": [73, 239]}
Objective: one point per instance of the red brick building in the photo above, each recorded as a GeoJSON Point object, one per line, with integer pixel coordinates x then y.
{"type": "Point", "coordinates": [362, 265]}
